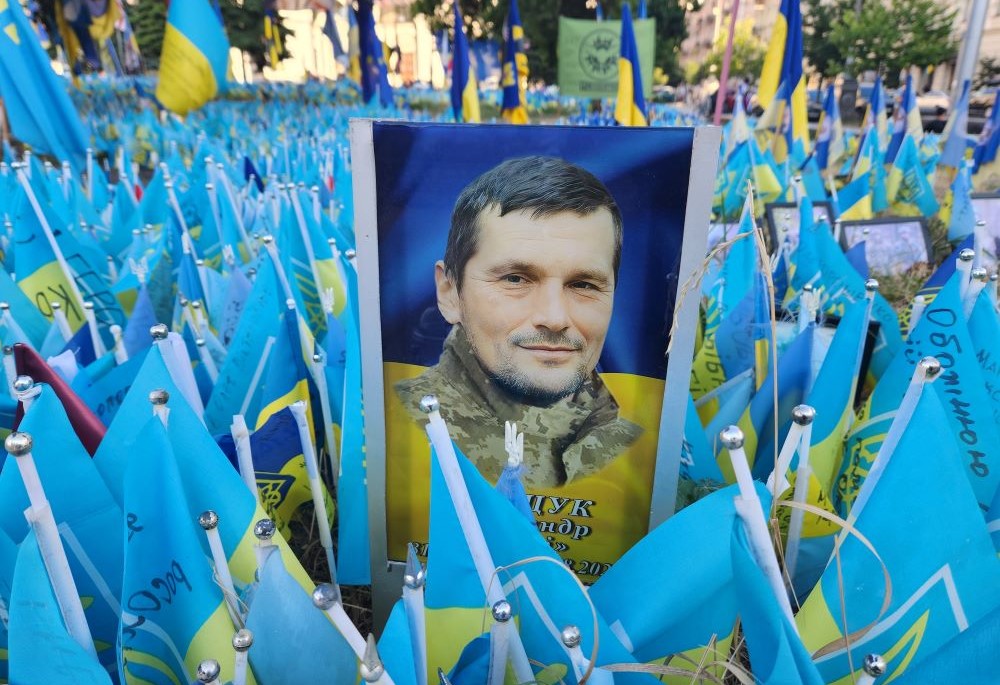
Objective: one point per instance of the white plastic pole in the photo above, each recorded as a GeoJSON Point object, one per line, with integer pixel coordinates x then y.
{"type": "Point", "coordinates": [244, 455]}
{"type": "Point", "coordinates": [39, 515]}
{"type": "Point", "coordinates": [298, 410]}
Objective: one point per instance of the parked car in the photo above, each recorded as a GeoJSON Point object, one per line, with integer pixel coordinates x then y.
{"type": "Point", "coordinates": [981, 101]}
{"type": "Point", "coordinates": [929, 101]}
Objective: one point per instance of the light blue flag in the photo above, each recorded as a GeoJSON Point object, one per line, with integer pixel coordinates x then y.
{"type": "Point", "coordinates": [905, 118]}
{"type": "Point", "coordinates": [963, 215]}
{"type": "Point", "coordinates": [700, 601]}
{"type": "Point", "coordinates": [90, 522]}
{"type": "Point", "coordinates": [969, 657]}
{"type": "Point", "coordinates": [8, 560]}
{"type": "Point", "coordinates": [240, 384]}
{"type": "Point", "coordinates": [953, 152]}
{"type": "Point", "coordinates": [697, 459]}
{"type": "Point", "coordinates": [26, 324]}
{"type": "Point", "coordinates": [238, 289]}
{"type": "Point", "coordinates": [40, 648]}
{"type": "Point", "coordinates": [993, 521]}
{"type": "Point", "coordinates": [941, 333]}
{"type": "Point", "coordinates": [105, 395]}
{"type": "Point", "coordinates": [908, 187]}
{"type": "Point", "coordinates": [734, 396]}
{"type": "Point", "coordinates": [39, 110]}
{"type": "Point", "coordinates": [281, 614]}
{"type": "Point", "coordinates": [353, 561]}
{"type": "Point", "coordinates": [740, 264]}
{"type": "Point", "coordinates": [984, 329]}
{"type": "Point", "coordinates": [777, 655]}
{"type": "Point", "coordinates": [173, 611]}
{"type": "Point", "coordinates": [922, 501]}
{"type": "Point", "coordinates": [396, 647]}
{"type": "Point", "coordinates": [544, 595]}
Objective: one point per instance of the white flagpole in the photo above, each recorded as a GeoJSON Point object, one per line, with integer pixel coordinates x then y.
{"type": "Point", "coordinates": [39, 515]}
{"type": "Point", "coordinates": [413, 603]}
{"type": "Point", "coordinates": [298, 410]}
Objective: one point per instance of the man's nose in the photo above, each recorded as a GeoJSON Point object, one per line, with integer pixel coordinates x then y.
{"type": "Point", "coordinates": [550, 307]}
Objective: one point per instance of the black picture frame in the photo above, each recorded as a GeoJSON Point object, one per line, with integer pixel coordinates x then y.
{"type": "Point", "coordinates": [780, 214]}
{"type": "Point", "coordinates": [887, 255]}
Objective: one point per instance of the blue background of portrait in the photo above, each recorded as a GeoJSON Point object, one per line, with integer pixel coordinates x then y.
{"type": "Point", "coordinates": [422, 168]}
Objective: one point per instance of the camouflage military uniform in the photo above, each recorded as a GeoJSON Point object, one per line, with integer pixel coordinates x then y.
{"type": "Point", "coordinates": [575, 437]}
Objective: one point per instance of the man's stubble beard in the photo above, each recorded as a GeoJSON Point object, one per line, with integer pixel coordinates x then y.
{"type": "Point", "coordinates": [519, 385]}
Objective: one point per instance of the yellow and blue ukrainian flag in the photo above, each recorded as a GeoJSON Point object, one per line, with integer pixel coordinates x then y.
{"type": "Point", "coordinates": [630, 108]}
{"type": "Point", "coordinates": [374, 73]}
{"type": "Point", "coordinates": [195, 57]}
{"type": "Point", "coordinates": [782, 90]}
{"type": "Point", "coordinates": [514, 108]}
{"type": "Point", "coordinates": [906, 120]}
{"type": "Point", "coordinates": [39, 110]}
{"type": "Point", "coordinates": [464, 91]}
{"type": "Point", "coordinates": [829, 134]}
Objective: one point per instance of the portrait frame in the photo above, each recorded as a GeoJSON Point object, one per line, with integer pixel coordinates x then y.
{"type": "Point", "coordinates": [701, 151]}
{"type": "Point", "coordinates": [851, 233]}
{"type": "Point", "coordinates": [987, 208]}
{"type": "Point", "coordinates": [777, 213]}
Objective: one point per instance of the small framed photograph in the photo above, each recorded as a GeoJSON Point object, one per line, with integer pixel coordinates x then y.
{"type": "Point", "coordinates": [893, 245]}
{"type": "Point", "coordinates": [783, 222]}
{"type": "Point", "coordinates": [987, 208]}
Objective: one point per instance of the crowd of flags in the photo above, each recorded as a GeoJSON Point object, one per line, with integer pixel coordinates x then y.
{"type": "Point", "coordinates": [182, 400]}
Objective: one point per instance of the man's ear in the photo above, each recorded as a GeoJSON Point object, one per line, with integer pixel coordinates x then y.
{"type": "Point", "coordinates": [447, 294]}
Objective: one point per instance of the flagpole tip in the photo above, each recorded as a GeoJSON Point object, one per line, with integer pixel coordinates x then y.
{"type": "Point", "coordinates": [18, 443]}
{"type": "Point", "coordinates": [325, 596]}
{"type": "Point", "coordinates": [442, 678]}
{"type": "Point", "coordinates": [429, 404]}
{"type": "Point", "coordinates": [871, 285]}
{"type": "Point", "coordinates": [980, 274]}
{"type": "Point", "coordinates": [242, 640]}
{"type": "Point", "coordinates": [414, 575]}
{"type": "Point", "coordinates": [8, 350]}
{"type": "Point", "coordinates": [264, 529]}
{"type": "Point", "coordinates": [55, 306]}
{"type": "Point", "coordinates": [570, 636]}
{"type": "Point", "coordinates": [371, 663]}
{"type": "Point", "coordinates": [23, 384]}
{"type": "Point", "coordinates": [803, 414]}
{"type": "Point", "coordinates": [159, 331]}
{"type": "Point", "coordinates": [967, 255]}
{"type": "Point", "coordinates": [208, 670]}
{"type": "Point", "coordinates": [502, 611]}
{"type": "Point", "coordinates": [88, 305]}
{"type": "Point", "coordinates": [731, 437]}
{"type": "Point", "coordinates": [350, 253]}
{"type": "Point", "coordinates": [874, 665]}
{"type": "Point", "coordinates": [208, 520]}
{"type": "Point", "coordinates": [159, 397]}
{"type": "Point", "coordinates": [266, 239]}
{"type": "Point", "coordinates": [930, 366]}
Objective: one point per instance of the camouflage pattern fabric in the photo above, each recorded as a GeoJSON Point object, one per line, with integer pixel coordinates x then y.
{"type": "Point", "coordinates": [575, 437]}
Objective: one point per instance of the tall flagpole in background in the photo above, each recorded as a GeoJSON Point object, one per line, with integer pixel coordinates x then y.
{"type": "Point", "coordinates": [968, 55]}
{"type": "Point", "coordinates": [726, 59]}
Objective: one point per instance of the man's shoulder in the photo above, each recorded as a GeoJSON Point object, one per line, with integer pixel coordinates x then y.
{"type": "Point", "coordinates": [453, 397]}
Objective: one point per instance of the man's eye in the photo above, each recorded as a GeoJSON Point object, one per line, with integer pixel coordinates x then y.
{"type": "Point", "coordinates": [584, 285]}
{"type": "Point", "coordinates": [513, 278]}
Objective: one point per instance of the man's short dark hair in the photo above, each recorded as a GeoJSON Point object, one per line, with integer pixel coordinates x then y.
{"type": "Point", "coordinates": [544, 185]}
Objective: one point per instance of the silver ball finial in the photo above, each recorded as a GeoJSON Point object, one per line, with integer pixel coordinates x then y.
{"type": "Point", "coordinates": [980, 274]}
{"type": "Point", "coordinates": [325, 596]}
{"type": "Point", "coordinates": [242, 640]}
{"type": "Point", "coordinates": [414, 575]}
{"type": "Point", "coordinates": [18, 443]}
{"type": "Point", "coordinates": [931, 367]}
{"type": "Point", "coordinates": [874, 665]}
{"type": "Point", "coordinates": [208, 520]}
{"type": "Point", "coordinates": [88, 305]}
{"type": "Point", "coordinates": [158, 397]}
{"type": "Point", "coordinates": [159, 331]}
{"type": "Point", "coordinates": [371, 668]}
{"type": "Point", "coordinates": [200, 342]}
{"type": "Point", "coordinates": [967, 255]}
{"type": "Point", "coordinates": [55, 306]}
{"type": "Point", "coordinates": [350, 253]}
{"type": "Point", "coordinates": [803, 414]}
{"type": "Point", "coordinates": [317, 358]}
{"type": "Point", "coordinates": [4, 306]}
{"type": "Point", "coordinates": [264, 529]}
{"type": "Point", "coordinates": [208, 670]}
{"type": "Point", "coordinates": [266, 239]}
{"type": "Point", "coordinates": [807, 288]}
{"type": "Point", "coordinates": [429, 404]}
{"type": "Point", "coordinates": [197, 303]}
{"type": "Point", "coordinates": [8, 350]}
{"type": "Point", "coordinates": [731, 437]}
{"type": "Point", "coordinates": [23, 384]}
{"type": "Point", "coordinates": [871, 285]}
{"type": "Point", "coordinates": [502, 611]}
{"type": "Point", "coordinates": [570, 636]}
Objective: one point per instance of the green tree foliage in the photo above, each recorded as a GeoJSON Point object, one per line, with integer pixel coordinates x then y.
{"type": "Point", "coordinates": [818, 19]}
{"type": "Point", "coordinates": [748, 55]}
{"type": "Point", "coordinates": [887, 35]}
{"type": "Point", "coordinates": [988, 74]}
{"type": "Point", "coordinates": [540, 19]}
{"type": "Point", "coordinates": [148, 19]}
{"type": "Point", "coordinates": [244, 22]}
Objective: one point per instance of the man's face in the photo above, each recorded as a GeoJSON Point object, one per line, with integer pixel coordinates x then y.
{"type": "Point", "coordinates": [536, 299]}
